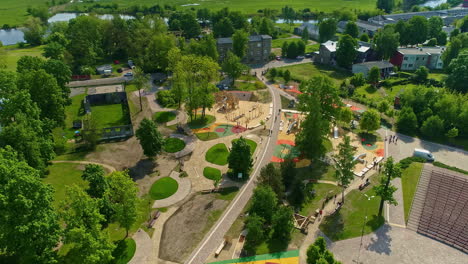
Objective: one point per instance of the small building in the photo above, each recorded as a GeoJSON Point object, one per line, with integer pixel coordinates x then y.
{"type": "Point", "coordinates": [104, 69]}
{"type": "Point", "coordinates": [327, 52]}
{"type": "Point", "coordinates": [385, 68]}
{"type": "Point", "coordinates": [364, 27]}
{"type": "Point", "coordinates": [410, 59]}
{"type": "Point", "coordinates": [313, 30]}
{"type": "Point", "coordinates": [258, 48]}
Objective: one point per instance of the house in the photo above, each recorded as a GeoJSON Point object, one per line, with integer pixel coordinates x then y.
{"type": "Point", "coordinates": [104, 69]}
{"type": "Point", "coordinates": [364, 27]}
{"type": "Point", "coordinates": [258, 48]}
{"type": "Point", "coordinates": [410, 59]}
{"type": "Point", "coordinates": [327, 52]}
{"type": "Point", "coordinates": [385, 68]}
{"type": "Point", "coordinates": [465, 3]}
{"type": "Point", "coordinates": [313, 30]}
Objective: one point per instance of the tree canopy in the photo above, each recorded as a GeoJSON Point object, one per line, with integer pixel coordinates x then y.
{"type": "Point", "coordinates": [150, 139]}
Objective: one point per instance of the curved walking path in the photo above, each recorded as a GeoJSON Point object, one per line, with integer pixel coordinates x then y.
{"type": "Point", "coordinates": [189, 144]}
{"type": "Point", "coordinates": [108, 167]}
{"type": "Point", "coordinates": [184, 189]}
{"type": "Point", "coordinates": [144, 252]}
{"type": "Point", "coordinates": [328, 182]}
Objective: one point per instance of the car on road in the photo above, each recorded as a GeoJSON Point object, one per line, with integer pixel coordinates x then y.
{"type": "Point", "coordinates": [222, 86]}
{"type": "Point", "coordinates": [278, 58]}
{"type": "Point", "coordinates": [300, 57]}
{"type": "Point", "coordinates": [308, 55]}
{"type": "Point", "coordinates": [128, 74]}
{"type": "Point", "coordinates": [423, 153]}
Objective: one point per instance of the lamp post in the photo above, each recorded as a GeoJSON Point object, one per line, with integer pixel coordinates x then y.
{"type": "Point", "coordinates": [363, 225]}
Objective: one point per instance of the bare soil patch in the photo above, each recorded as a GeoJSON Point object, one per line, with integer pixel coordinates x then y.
{"type": "Point", "coordinates": [186, 227]}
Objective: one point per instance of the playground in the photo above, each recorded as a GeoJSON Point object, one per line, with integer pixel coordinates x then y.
{"type": "Point", "coordinates": [290, 121]}
{"type": "Point", "coordinates": [288, 257]}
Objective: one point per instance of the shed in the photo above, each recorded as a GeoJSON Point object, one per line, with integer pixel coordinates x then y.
{"type": "Point", "coordinates": [103, 69]}
{"type": "Point", "coordinates": [385, 68]}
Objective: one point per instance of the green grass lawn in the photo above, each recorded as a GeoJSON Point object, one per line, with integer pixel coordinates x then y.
{"type": "Point", "coordinates": [278, 43]}
{"type": "Point", "coordinates": [62, 175]}
{"type": "Point", "coordinates": [308, 70]}
{"type": "Point", "coordinates": [13, 54]}
{"type": "Point", "coordinates": [321, 191]}
{"type": "Point", "coordinates": [173, 145]}
{"type": "Point", "coordinates": [217, 154]}
{"type": "Point", "coordinates": [252, 144]}
{"type": "Point", "coordinates": [163, 188]}
{"type": "Point", "coordinates": [312, 48]}
{"type": "Point", "coordinates": [164, 117]}
{"type": "Point", "coordinates": [409, 182]}
{"type": "Point", "coordinates": [124, 251]}
{"type": "Point", "coordinates": [75, 111]}
{"type": "Point", "coordinates": [249, 86]}
{"type": "Point", "coordinates": [109, 115]}
{"type": "Point", "coordinates": [349, 220]}
{"type": "Point", "coordinates": [200, 122]}
{"type": "Point", "coordinates": [212, 173]}
{"type": "Point", "coordinates": [318, 171]}
{"type": "Point", "coordinates": [285, 103]}
{"type": "Point", "coordinates": [13, 12]}
{"type": "Point", "coordinates": [205, 136]}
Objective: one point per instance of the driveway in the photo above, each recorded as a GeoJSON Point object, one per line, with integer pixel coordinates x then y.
{"type": "Point", "coordinates": [445, 154]}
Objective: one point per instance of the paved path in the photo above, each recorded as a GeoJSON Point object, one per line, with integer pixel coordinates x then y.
{"type": "Point", "coordinates": [395, 245]}
{"type": "Point", "coordinates": [182, 192]}
{"type": "Point", "coordinates": [189, 144]}
{"type": "Point", "coordinates": [144, 253]}
{"type": "Point", "coordinates": [108, 167]}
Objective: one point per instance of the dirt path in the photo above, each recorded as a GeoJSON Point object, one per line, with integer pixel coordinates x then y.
{"type": "Point", "coordinates": [108, 167]}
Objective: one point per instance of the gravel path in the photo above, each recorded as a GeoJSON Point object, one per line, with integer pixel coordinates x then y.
{"type": "Point", "coordinates": [144, 253]}
{"type": "Point", "coordinates": [182, 192]}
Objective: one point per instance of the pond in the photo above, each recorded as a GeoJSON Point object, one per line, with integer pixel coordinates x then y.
{"type": "Point", "coordinates": [434, 3]}
{"type": "Point", "coordinates": [11, 36]}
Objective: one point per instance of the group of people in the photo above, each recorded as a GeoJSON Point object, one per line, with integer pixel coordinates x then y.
{"type": "Point", "coordinates": [392, 138]}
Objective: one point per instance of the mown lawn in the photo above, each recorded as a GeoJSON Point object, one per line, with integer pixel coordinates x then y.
{"type": "Point", "coordinates": [212, 173]}
{"type": "Point", "coordinates": [109, 115]}
{"type": "Point", "coordinates": [317, 171]}
{"type": "Point", "coordinates": [205, 136]}
{"type": "Point", "coordinates": [173, 145]}
{"type": "Point", "coordinates": [348, 222]}
{"type": "Point", "coordinates": [200, 122]}
{"type": "Point", "coordinates": [164, 117]}
{"type": "Point", "coordinates": [409, 182]}
{"type": "Point", "coordinates": [308, 70]}
{"type": "Point", "coordinates": [252, 144]}
{"type": "Point", "coordinates": [163, 188]}
{"type": "Point", "coordinates": [217, 154]}
{"type": "Point", "coordinates": [124, 251]}
{"type": "Point", "coordinates": [13, 12]}
{"type": "Point", "coordinates": [321, 190]}
{"type": "Point", "coordinates": [13, 54]}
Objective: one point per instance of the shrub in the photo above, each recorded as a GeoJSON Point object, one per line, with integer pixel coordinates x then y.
{"type": "Point", "coordinates": [406, 162]}
{"type": "Point", "coordinates": [358, 80]}
{"type": "Point", "coordinates": [445, 166]}
{"type": "Point", "coordinates": [165, 98]}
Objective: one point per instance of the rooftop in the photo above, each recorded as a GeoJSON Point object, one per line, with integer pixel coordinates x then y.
{"type": "Point", "coordinates": [105, 89]}
{"type": "Point", "coordinates": [379, 64]}
{"type": "Point", "coordinates": [252, 38]}
{"type": "Point", "coordinates": [422, 50]}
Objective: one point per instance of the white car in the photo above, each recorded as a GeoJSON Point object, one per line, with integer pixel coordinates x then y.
{"type": "Point", "coordinates": [128, 74]}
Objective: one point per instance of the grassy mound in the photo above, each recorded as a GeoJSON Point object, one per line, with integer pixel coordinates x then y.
{"type": "Point", "coordinates": [163, 188]}
{"type": "Point", "coordinates": [124, 251]}
{"type": "Point", "coordinates": [164, 117]}
{"type": "Point", "coordinates": [212, 173]}
{"type": "Point", "coordinates": [173, 145]}
{"type": "Point", "coordinates": [252, 144]}
{"type": "Point", "coordinates": [217, 154]}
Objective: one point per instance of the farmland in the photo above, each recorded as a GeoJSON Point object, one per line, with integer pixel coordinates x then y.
{"type": "Point", "coordinates": [13, 12]}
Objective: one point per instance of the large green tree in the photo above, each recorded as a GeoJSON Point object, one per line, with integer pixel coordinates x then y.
{"type": "Point", "coordinates": [150, 139]}
{"type": "Point", "coordinates": [352, 29]}
{"type": "Point", "coordinates": [271, 176]}
{"type": "Point", "coordinates": [317, 253]}
{"type": "Point", "coordinates": [233, 66]}
{"type": "Point", "coordinates": [85, 38]}
{"type": "Point", "coordinates": [240, 39]}
{"type": "Point", "coordinates": [282, 223]}
{"type": "Point", "coordinates": [344, 164]}
{"type": "Point", "coordinates": [96, 176]}
{"type": "Point", "coordinates": [240, 158]}
{"type": "Point", "coordinates": [434, 24]}
{"type": "Point", "coordinates": [29, 229]}
{"type": "Point", "coordinates": [385, 190]}
{"type": "Point", "coordinates": [142, 82]}
{"type": "Point", "coordinates": [370, 120]}
{"type": "Point", "coordinates": [417, 30]}
{"type": "Point", "coordinates": [433, 127]}
{"type": "Point", "coordinates": [327, 29]}
{"type": "Point", "coordinates": [386, 5]}
{"type": "Point", "coordinates": [386, 42]}
{"type": "Point", "coordinates": [263, 203]}
{"type": "Point", "coordinates": [458, 74]}
{"type": "Point", "coordinates": [346, 51]}
{"type": "Point", "coordinates": [256, 232]}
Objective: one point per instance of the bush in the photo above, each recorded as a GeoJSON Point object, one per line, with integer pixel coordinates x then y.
{"type": "Point", "coordinates": [445, 166]}
{"type": "Point", "coordinates": [433, 127]}
{"type": "Point", "coordinates": [406, 162]}
{"type": "Point", "coordinates": [358, 80]}
{"type": "Point", "coordinates": [165, 98]}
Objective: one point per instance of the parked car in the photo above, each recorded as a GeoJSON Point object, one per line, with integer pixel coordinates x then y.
{"type": "Point", "coordinates": [308, 55]}
{"type": "Point", "coordinates": [278, 58]}
{"type": "Point", "coordinates": [128, 74]}
{"type": "Point", "coordinates": [131, 64]}
{"type": "Point", "coordinates": [423, 153]}
{"type": "Point", "coordinates": [300, 57]}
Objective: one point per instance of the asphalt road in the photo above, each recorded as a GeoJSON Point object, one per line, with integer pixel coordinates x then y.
{"type": "Point", "coordinates": [215, 236]}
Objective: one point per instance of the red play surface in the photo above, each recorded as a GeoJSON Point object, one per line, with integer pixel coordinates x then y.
{"type": "Point", "coordinates": [285, 141]}
{"type": "Point", "coordinates": [354, 108]}
{"type": "Point", "coordinates": [380, 152]}
{"type": "Point", "coordinates": [276, 159]}
{"type": "Point", "coordinates": [238, 129]}
{"type": "Point", "coordinates": [220, 130]}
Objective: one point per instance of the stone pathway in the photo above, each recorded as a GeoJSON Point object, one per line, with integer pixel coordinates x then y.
{"type": "Point", "coordinates": [158, 228]}
{"type": "Point", "coordinates": [108, 167]}
{"type": "Point", "coordinates": [182, 192]}
{"type": "Point", "coordinates": [189, 144]}
{"type": "Point", "coordinates": [144, 248]}
{"type": "Point", "coordinates": [395, 214]}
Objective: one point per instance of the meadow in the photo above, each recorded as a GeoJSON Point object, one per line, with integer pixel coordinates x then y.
{"type": "Point", "coordinates": [11, 55]}
{"type": "Point", "coordinates": [13, 12]}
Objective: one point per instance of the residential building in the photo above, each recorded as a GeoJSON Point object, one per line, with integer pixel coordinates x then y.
{"type": "Point", "coordinates": [327, 52]}
{"type": "Point", "coordinates": [313, 30]}
{"type": "Point", "coordinates": [448, 16]}
{"type": "Point", "coordinates": [104, 69]}
{"type": "Point", "coordinates": [409, 59]}
{"type": "Point", "coordinates": [385, 67]}
{"type": "Point", "coordinates": [258, 48]}
{"type": "Point", "coordinates": [364, 27]}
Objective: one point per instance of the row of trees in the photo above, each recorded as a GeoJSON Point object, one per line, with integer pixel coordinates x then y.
{"type": "Point", "coordinates": [32, 227]}
{"type": "Point", "coordinates": [293, 49]}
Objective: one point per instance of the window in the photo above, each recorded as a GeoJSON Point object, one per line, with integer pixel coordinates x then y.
{"type": "Point", "coordinates": [417, 58]}
{"type": "Point", "coordinates": [405, 58]}
{"type": "Point", "coordinates": [423, 58]}
{"type": "Point", "coordinates": [259, 45]}
{"type": "Point", "coordinates": [410, 65]}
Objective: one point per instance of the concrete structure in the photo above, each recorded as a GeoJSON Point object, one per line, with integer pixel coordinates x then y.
{"type": "Point", "coordinates": [104, 69]}
{"type": "Point", "coordinates": [448, 16]}
{"type": "Point", "coordinates": [412, 58]}
{"type": "Point", "coordinates": [313, 30]}
{"type": "Point", "coordinates": [258, 48]}
{"type": "Point", "coordinates": [385, 68]}
{"type": "Point", "coordinates": [327, 52]}
{"type": "Point", "coordinates": [364, 27]}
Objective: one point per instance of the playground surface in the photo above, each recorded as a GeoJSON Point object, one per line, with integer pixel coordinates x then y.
{"type": "Point", "coordinates": [285, 145]}
{"type": "Point", "coordinates": [288, 257]}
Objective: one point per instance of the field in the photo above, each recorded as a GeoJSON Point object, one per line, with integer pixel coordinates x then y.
{"type": "Point", "coordinates": [409, 181]}
{"type": "Point", "coordinates": [308, 70]}
{"type": "Point", "coordinates": [13, 12]}
{"type": "Point", "coordinates": [109, 115]}
{"type": "Point", "coordinates": [13, 54]}
{"type": "Point", "coordinates": [249, 7]}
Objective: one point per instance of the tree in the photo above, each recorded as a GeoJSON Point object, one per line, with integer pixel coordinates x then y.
{"type": "Point", "coordinates": [96, 176]}
{"type": "Point", "coordinates": [122, 194]}
{"type": "Point", "coordinates": [458, 74]}
{"type": "Point", "coordinates": [223, 28]}
{"type": "Point", "coordinates": [464, 25]}
{"type": "Point", "coordinates": [91, 134]}
{"type": "Point", "coordinates": [256, 232]}
{"type": "Point", "coordinates": [232, 66]}
{"type": "Point", "coordinates": [402, 28]}
{"type": "Point", "coordinates": [271, 176]}
{"type": "Point", "coordinates": [421, 74]}
{"type": "Point", "coordinates": [240, 158]}
{"type": "Point", "coordinates": [287, 76]}
{"type": "Point", "coordinates": [407, 121]}
{"type": "Point", "coordinates": [452, 133]}
{"type": "Point", "coordinates": [83, 232]}
{"type": "Point", "coordinates": [288, 172]}
{"type": "Point", "coordinates": [374, 76]}
{"type": "Point", "coordinates": [263, 203]}
{"type": "Point", "coordinates": [386, 42]}
{"type": "Point", "coordinates": [327, 29]}
{"type": "Point", "coordinates": [386, 5]}
{"type": "Point", "coordinates": [344, 164]}
{"type": "Point", "coordinates": [282, 223]}
{"type": "Point", "coordinates": [434, 25]}
{"type": "Point", "coordinates": [272, 73]}
{"type": "Point", "coordinates": [370, 120]}
{"type": "Point", "coordinates": [29, 63]}
{"type": "Point", "coordinates": [284, 49]}
{"type": "Point", "coordinates": [292, 50]}
{"type": "Point", "coordinates": [85, 37]}
{"type": "Point", "coordinates": [62, 74]}
{"type": "Point", "coordinates": [142, 82]}
{"type": "Point", "coordinates": [345, 115]}
{"type": "Point", "coordinates": [442, 38]}
{"type": "Point", "coordinates": [33, 31]}
{"type": "Point", "coordinates": [358, 80]}
{"type": "Point", "coordinates": [54, 51]}
{"type": "Point", "coordinates": [346, 51]}
{"type": "Point", "coordinates": [417, 29]}
{"type": "Point", "coordinates": [305, 35]}
{"type": "Point", "coordinates": [433, 127]}
{"type": "Point", "coordinates": [352, 29]}
{"type": "Point", "coordinates": [29, 229]}
{"type": "Point", "coordinates": [385, 190]}
{"type": "Point", "coordinates": [186, 22]}
{"type": "Point", "coordinates": [150, 139]}
{"type": "Point", "coordinates": [383, 106]}
{"type": "Point", "coordinates": [364, 37]}
{"type": "Point", "coordinates": [317, 253]}
{"type": "Point", "coordinates": [240, 38]}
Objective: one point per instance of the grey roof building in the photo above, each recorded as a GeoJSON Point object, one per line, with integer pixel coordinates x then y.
{"type": "Point", "coordinates": [364, 27]}
{"type": "Point", "coordinates": [104, 69]}
{"type": "Point", "coordinates": [258, 48]}
{"type": "Point", "coordinates": [313, 30]}
{"type": "Point", "coordinates": [448, 16]}
{"type": "Point", "coordinates": [385, 68]}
